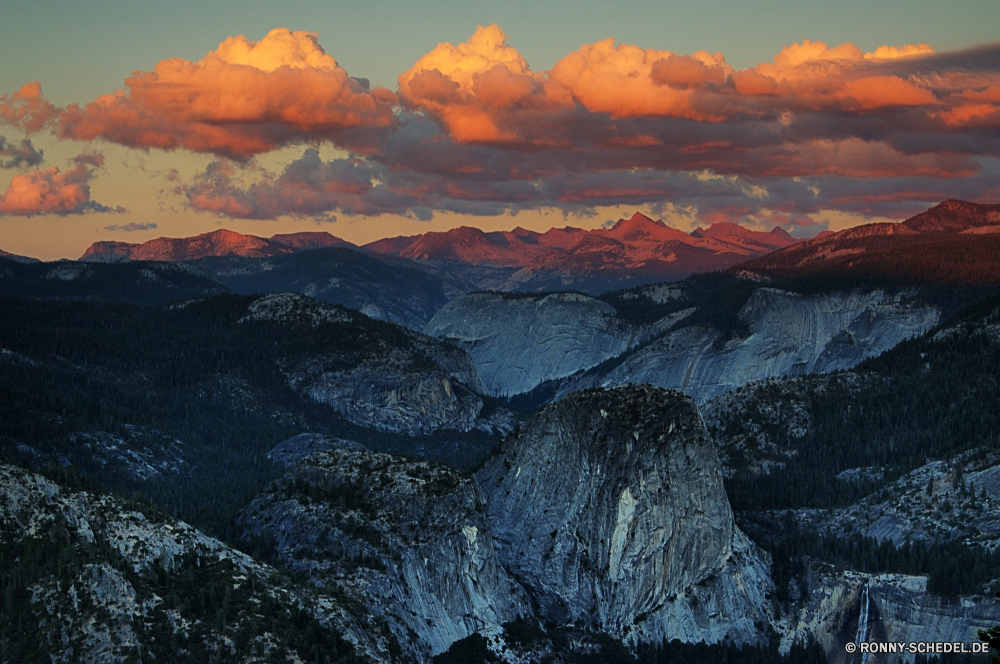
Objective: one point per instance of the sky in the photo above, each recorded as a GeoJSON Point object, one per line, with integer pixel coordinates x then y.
{"type": "Point", "coordinates": [130, 121]}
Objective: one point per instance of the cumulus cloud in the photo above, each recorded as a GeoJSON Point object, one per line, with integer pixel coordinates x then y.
{"type": "Point", "coordinates": [621, 97]}
{"type": "Point", "coordinates": [52, 191]}
{"type": "Point", "coordinates": [16, 156]}
{"type": "Point", "coordinates": [483, 91]}
{"type": "Point", "coordinates": [241, 99]}
{"type": "Point", "coordinates": [474, 129]}
{"type": "Point", "coordinates": [131, 227]}
{"type": "Point", "coordinates": [27, 109]}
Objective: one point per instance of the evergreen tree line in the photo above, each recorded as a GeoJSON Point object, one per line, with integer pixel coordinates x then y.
{"type": "Point", "coordinates": [195, 374]}
{"type": "Point", "coordinates": [953, 568]}
{"type": "Point", "coordinates": [930, 399]}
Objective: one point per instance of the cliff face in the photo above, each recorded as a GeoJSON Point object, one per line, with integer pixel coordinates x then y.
{"type": "Point", "coordinates": [897, 606]}
{"type": "Point", "coordinates": [519, 342]}
{"type": "Point", "coordinates": [91, 578]}
{"type": "Point", "coordinates": [790, 335]}
{"type": "Point", "coordinates": [609, 508]}
{"type": "Point", "coordinates": [407, 539]}
{"type": "Point", "coordinates": [388, 398]}
{"type": "Point", "coordinates": [401, 381]}
{"type": "Point", "coordinates": [386, 288]}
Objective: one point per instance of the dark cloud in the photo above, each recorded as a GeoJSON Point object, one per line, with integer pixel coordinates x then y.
{"type": "Point", "coordinates": [311, 187]}
{"type": "Point", "coordinates": [95, 159]}
{"type": "Point", "coordinates": [131, 226]}
{"type": "Point", "coordinates": [17, 156]}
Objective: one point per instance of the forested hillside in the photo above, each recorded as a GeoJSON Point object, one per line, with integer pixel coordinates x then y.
{"type": "Point", "coordinates": [181, 403]}
{"type": "Point", "coordinates": [815, 462]}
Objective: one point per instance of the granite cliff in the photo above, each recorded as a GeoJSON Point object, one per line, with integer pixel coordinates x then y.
{"type": "Point", "coordinates": [789, 335]}
{"type": "Point", "coordinates": [520, 342]}
{"type": "Point", "coordinates": [407, 539]}
{"type": "Point", "coordinates": [91, 578]}
{"type": "Point", "coordinates": [609, 507]}
{"type": "Point", "coordinates": [384, 377]}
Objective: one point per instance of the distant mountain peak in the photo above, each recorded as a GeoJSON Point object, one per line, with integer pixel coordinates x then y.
{"type": "Point", "coordinates": [954, 216]}
{"type": "Point", "coordinates": [221, 242]}
{"type": "Point", "coordinates": [309, 240]}
{"type": "Point", "coordinates": [18, 258]}
{"type": "Point", "coordinates": [953, 242]}
{"type": "Point", "coordinates": [637, 220]}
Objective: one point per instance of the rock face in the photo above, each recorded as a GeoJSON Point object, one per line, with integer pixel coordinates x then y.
{"type": "Point", "coordinates": [898, 608]}
{"type": "Point", "coordinates": [386, 288]}
{"type": "Point", "coordinates": [908, 613]}
{"type": "Point", "coordinates": [133, 586]}
{"type": "Point", "coordinates": [407, 539]}
{"type": "Point", "coordinates": [518, 342]}
{"type": "Point", "coordinates": [790, 335]}
{"type": "Point", "coordinates": [401, 381]}
{"type": "Point", "coordinates": [609, 508]}
{"type": "Point", "coordinates": [389, 398]}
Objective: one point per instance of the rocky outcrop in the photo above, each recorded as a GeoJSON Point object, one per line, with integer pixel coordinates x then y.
{"type": "Point", "coordinates": [389, 399]}
{"type": "Point", "coordinates": [520, 341]}
{"type": "Point", "coordinates": [790, 335]}
{"type": "Point", "coordinates": [898, 608]}
{"type": "Point", "coordinates": [374, 374]}
{"type": "Point", "coordinates": [407, 539]}
{"type": "Point", "coordinates": [609, 507]}
{"type": "Point", "coordinates": [90, 578]}
{"type": "Point", "coordinates": [383, 287]}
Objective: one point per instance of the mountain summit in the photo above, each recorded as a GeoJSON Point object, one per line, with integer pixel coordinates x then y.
{"type": "Point", "coordinates": [954, 242]}
{"type": "Point", "coordinates": [222, 242]}
{"type": "Point", "coordinates": [632, 251]}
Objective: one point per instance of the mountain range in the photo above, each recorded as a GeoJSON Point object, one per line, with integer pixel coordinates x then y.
{"type": "Point", "coordinates": [222, 242]}
{"type": "Point", "coordinates": [633, 251]}
{"type": "Point", "coordinates": [766, 463]}
{"type": "Point", "coordinates": [954, 242]}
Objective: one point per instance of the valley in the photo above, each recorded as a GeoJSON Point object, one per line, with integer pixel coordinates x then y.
{"type": "Point", "coordinates": [471, 447]}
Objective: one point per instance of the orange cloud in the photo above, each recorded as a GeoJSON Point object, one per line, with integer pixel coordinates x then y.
{"type": "Point", "coordinates": [26, 108]}
{"type": "Point", "coordinates": [475, 130]}
{"type": "Point", "coordinates": [484, 92]}
{"type": "Point", "coordinates": [53, 192]}
{"type": "Point", "coordinates": [47, 191]}
{"type": "Point", "coordinates": [813, 76]}
{"type": "Point", "coordinates": [974, 108]}
{"type": "Point", "coordinates": [628, 81]}
{"type": "Point", "coordinates": [242, 99]}
{"type": "Point", "coordinates": [899, 52]}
